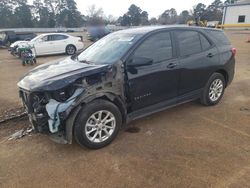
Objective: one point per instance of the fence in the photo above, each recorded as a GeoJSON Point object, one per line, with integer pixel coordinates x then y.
{"type": "Point", "coordinates": [59, 29]}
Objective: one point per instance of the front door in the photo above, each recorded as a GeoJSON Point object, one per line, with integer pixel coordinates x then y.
{"type": "Point", "coordinates": [42, 46]}
{"type": "Point", "coordinates": [156, 79]}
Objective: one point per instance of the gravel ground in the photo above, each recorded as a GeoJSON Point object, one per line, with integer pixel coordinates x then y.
{"type": "Point", "coordinates": [186, 146]}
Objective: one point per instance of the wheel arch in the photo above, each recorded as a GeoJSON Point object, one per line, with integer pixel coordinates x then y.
{"type": "Point", "coordinates": [72, 115]}
{"type": "Point", "coordinates": [225, 75]}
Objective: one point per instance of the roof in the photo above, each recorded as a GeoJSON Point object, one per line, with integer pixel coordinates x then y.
{"type": "Point", "coordinates": [148, 29]}
{"type": "Point", "coordinates": [45, 34]}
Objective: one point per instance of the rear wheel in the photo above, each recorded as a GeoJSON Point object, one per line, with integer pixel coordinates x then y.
{"type": "Point", "coordinates": [97, 124]}
{"type": "Point", "coordinates": [70, 50]}
{"type": "Point", "coordinates": [214, 90]}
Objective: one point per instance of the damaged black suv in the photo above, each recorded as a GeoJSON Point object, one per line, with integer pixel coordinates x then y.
{"type": "Point", "coordinates": [124, 76]}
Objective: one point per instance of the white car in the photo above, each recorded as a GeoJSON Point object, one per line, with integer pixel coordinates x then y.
{"type": "Point", "coordinates": [52, 43]}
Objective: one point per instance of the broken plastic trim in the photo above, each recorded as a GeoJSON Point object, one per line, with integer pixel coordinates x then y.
{"type": "Point", "coordinates": [54, 108]}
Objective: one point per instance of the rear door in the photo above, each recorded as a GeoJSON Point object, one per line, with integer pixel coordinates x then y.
{"type": "Point", "coordinates": [59, 42]}
{"type": "Point", "coordinates": [197, 56]}
{"type": "Point", "coordinates": [151, 84]}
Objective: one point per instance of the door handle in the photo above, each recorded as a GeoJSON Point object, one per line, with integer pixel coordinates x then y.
{"type": "Point", "coordinates": [171, 65]}
{"type": "Point", "coordinates": [210, 55]}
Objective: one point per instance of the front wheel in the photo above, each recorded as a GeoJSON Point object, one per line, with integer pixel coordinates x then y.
{"type": "Point", "coordinates": [213, 90]}
{"type": "Point", "coordinates": [97, 124]}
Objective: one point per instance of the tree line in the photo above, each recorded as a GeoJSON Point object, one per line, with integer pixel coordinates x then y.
{"type": "Point", "coordinates": [200, 12]}
{"type": "Point", "coordinates": [64, 13]}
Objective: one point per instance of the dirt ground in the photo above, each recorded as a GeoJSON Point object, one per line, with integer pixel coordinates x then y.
{"type": "Point", "coordinates": [186, 146]}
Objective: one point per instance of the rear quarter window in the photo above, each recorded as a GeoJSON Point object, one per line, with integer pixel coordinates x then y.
{"type": "Point", "coordinates": [219, 38]}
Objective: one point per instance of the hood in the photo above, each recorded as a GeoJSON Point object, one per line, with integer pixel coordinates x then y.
{"type": "Point", "coordinates": [58, 74]}
{"type": "Point", "coordinates": [19, 43]}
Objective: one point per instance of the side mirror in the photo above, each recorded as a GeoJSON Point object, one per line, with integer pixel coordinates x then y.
{"type": "Point", "coordinates": [139, 62]}
{"type": "Point", "coordinates": [40, 40]}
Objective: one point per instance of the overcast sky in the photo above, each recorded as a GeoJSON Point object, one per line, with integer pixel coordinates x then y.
{"type": "Point", "coordinates": [153, 7]}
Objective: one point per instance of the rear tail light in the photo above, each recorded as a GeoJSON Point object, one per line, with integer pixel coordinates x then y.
{"type": "Point", "coordinates": [80, 39]}
{"type": "Point", "coordinates": [233, 50]}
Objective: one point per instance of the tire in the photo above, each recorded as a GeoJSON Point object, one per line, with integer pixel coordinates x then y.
{"type": "Point", "coordinates": [214, 90]}
{"type": "Point", "coordinates": [70, 50]}
{"type": "Point", "coordinates": [87, 121]}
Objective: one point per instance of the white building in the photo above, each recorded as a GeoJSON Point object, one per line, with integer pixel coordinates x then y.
{"type": "Point", "coordinates": [237, 15]}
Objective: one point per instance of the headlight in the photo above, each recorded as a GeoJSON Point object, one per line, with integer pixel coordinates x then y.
{"type": "Point", "coordinates": [64, 94]}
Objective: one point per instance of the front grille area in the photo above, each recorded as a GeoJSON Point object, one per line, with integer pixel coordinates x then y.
{"type": "Point", "coordinates": [25, 96]}
{"type": "Point", "coordinates": [35, 105]}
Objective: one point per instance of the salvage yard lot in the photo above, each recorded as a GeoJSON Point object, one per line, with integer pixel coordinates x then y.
{"type": "Point", "coordinates": [186, 146]}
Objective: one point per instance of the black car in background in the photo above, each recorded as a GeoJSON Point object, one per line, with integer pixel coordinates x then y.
{"type": "Point", "coordinates": [126, 75]}
{"type": "Point", "coordinates": [8, 37]}
{"type": "Point", "coordinates": [95, 33]}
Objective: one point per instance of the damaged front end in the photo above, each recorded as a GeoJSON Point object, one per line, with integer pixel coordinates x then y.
{"type": "Point", "coordinates": [46, 110]}
{"type": "Point", "coordinates": [51, 94]}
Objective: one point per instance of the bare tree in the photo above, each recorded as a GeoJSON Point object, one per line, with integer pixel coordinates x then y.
{"type": "Point", "coordinates": [94, 12]}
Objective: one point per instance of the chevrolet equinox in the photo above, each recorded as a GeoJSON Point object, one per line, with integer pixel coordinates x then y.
{"type": "Point", "coordinates": [126, 75]}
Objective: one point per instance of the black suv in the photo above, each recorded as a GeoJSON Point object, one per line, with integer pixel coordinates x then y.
{"type": "Point", "coordinates": [124, 76]}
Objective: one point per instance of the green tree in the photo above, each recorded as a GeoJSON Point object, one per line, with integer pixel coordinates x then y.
{"type": "Point", "coordinates": [134, 13]}
{"type": "Point", "coordinates": [153, 21]}
{"type": "Point", "coordinates": [68, 14]}
{"type": "Point", "coordinates": [168, 17]}
{"type": "Point", "coordinates": [134, 17]}
{"type": "Point", "coordinates": [43, 15]}
{"type": "Point", "coordinates": [199, 12]}
{"type": "Point", "coordinates": [50, 6]}
{"type": "Point", "coordinates": [125, 20]}
{"type": "Point", "coordinates": [184, 17]}
{"type": "Point", "coordinates": [214, 12]}
{"type": "Point", "coordinates": [22, 14]}
{"type": "Point", "coordinates": [6, 14]}
{"type": "Point", "coordinates": [144, 18]}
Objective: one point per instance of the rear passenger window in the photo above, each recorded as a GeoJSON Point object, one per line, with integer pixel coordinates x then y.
{"type": "Point", "coordinates": [204, 42]}
{"type": "Point", "coordinates": [58, 37]}
{"type": "Point", "coordinates": [157, 47]}
{"type": "Point", "coordinates": [189, 42]}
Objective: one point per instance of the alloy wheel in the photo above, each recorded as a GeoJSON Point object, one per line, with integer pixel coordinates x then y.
{"type": "Point", "coordinates": [216, 90]}
{"type": "Point", "coordinates": [100, 126]}
{"type": "Point", "coordinates": [70, 50]}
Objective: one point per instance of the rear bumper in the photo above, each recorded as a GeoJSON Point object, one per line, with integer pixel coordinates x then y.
{"type": "Point", "coordinates": [231, 71]}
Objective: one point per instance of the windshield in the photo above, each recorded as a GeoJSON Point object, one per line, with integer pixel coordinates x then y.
{"type": "Point", "coordinates": [109, 49]}
{"type": "Point", "coordinates": [2, 36]}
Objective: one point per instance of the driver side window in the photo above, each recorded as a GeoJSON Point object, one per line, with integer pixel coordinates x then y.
{"type": "Point", "coordinates": [157, 47]}
{"type": "Point", "coordinates": [45, 39]}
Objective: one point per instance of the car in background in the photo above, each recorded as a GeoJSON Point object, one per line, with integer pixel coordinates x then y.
{"type": "Point", "coordinates": [97, 32]}
{"type": "Point", "coordinates": [51, 43]}
{"type": "Point", "coordinates": [124, 76]}
{"type": "Point", "coordinates": [9, 37]}
{"type": "Point", "coordinates": [213, 24]}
